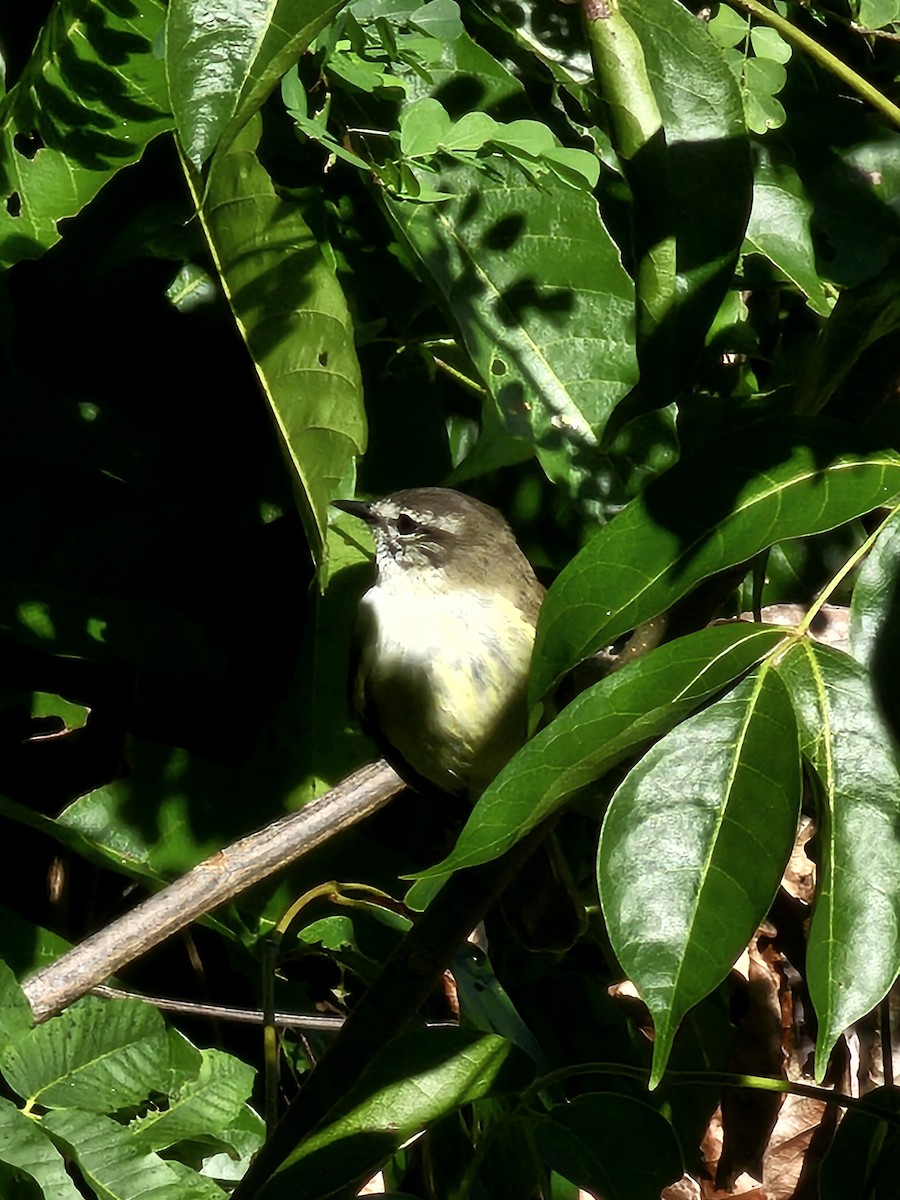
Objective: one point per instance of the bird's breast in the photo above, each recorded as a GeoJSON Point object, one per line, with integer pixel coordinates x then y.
{"type": "Point", "coordinates": [444, 677]}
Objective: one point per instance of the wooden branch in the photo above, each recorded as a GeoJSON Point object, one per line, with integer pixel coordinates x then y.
{"type": "Point", "coordinates": [211, 883]}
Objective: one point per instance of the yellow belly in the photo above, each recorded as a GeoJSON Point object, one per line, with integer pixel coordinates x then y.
{"type": "Point", "coordinates": [444, 679]}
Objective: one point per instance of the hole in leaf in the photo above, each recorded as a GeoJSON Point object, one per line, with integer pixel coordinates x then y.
{"type": "Point", "coordinates": [498, 367]}
{"type": "Point", "coordinates": [28, 144]}
{"type": "Point", "coordinates": [14, 204]}
{"type": "Point", "coordinates": [323, 358]}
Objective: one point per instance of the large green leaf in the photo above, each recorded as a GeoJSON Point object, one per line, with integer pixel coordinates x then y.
{"type": "Point", "coordinates": [853, 955]}
{"type": "Point", "coordinates": [88, 102]}
{"type": "Point", "coordinates": [97, 1056]}
{"type": "Point", "coordinates": [293, 316]}
{"type": "Point", "coordinates": [222, 60]}
{"type": "Point", "coordinates": [16, 1018]}
{"type": "Point", "coordinates": [416, 1079]}
{"type": "Point", "coordinates": [694, 845]}
{"type": "Point", "coordinates": [544, 307]}
{"type": "Point", "coordinates": [718, 507]}
{"type": "Point", "coordinates": [600, 728]}
{"type": "Point", "coordinates": [115, 1166]}
{"type": "Point", "coordinates": [25, 1146]}
{"type": "Point", "coordinates": [205, 1105]}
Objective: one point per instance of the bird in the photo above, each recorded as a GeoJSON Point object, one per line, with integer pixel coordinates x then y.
{"type": "Point", "coordinates": [445, 636]}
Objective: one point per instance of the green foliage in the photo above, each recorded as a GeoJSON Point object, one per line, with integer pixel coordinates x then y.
{"type": "Point", "coordinates": [633, 281]}
{"type": "Point", "coordinates": [106, 1087]}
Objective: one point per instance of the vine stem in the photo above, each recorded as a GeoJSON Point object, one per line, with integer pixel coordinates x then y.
{"type": "Point", "coordinates": [823, 57]}
{"type": "Point", "coordinates": [836, 580]}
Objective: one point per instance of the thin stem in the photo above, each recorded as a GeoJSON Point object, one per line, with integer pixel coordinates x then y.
{"type": "Point", "coordinates": [836, 580]}
{"type": "Point", "coordinates": [887, 1051]}
{"type": "Point", "coordinates": [759, 1083]}
{"type": "Point", "coordinates": [823, 57]}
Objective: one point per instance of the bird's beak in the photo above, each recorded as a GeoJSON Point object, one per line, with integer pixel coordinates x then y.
{"type": "Point", "coordinates": [357, 508]}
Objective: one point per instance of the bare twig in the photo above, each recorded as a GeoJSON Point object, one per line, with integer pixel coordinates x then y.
{"type": "Point", "coordinates": [221, 877]}
{"type": "Point", "coordinates": [323, 1022]}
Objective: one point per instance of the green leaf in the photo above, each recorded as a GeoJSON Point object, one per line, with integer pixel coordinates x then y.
{"type": "Point", "coordinates": [293, 316]}
{"type": "Point", "coordinates": [728, 27]}
{"type": "Point", "coordinates": [543, 304]}
{"type": "Point", "coordinates": [471, 131]}
{"type": "Point", "coordinates": [210, 48]}
{"type": "Point", "coordinates": [705, 146]}
{"type": "Point", "coordinates": [853, 955]}
{"type": "Point", "coordinates": [584, 1141]}
{"type": "Point", "coordinates": [440, 19]}
{"type": "Point", "coordinates": [15, 1012]}
{"type": "Point", "coordinates": [97, 1055]}
{"type": "Point", "coordinates": [90, 99]}
{"type": "Point", "coordinates": [860, 318]}
{"type": "Point", "coordinates": [693, 847]}
{"type": "Point", "coordinates": [191, 288]}
{"type": "Point", "coordinates": [25, 1146]}
{"type": "Point", "coordinates": [779, 228]}
{"type": "Point", "coordinates": [206, 1105]}
{"type": "Point", "coordinates": [876, 14]}
{"type": "Point", "coordinates": [871, 607]}
{"type": "Point", "coordinates": [424, 126]}
{"type": "Point", "coordinates": [768, 43]}
{"type": "Point", "coordinates": [600, 728]}
{"type": "Point", "coordinates": [719, 506]}
{"type": "Point", "coordinates": [117, 1169]}
{"type": "Point", "coordinates": [292, 27]}
{"type": "Point", "coordinates": [863, 1156]}
{"type": "Point", "coordinates": [414, 1081]}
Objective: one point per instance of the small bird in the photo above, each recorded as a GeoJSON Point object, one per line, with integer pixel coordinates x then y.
{"type": "Point", "coordinates": [445, 636]}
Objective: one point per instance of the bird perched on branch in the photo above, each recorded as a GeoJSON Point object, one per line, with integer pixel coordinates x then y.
{"type": "Point", "coordinates": [445, 635]}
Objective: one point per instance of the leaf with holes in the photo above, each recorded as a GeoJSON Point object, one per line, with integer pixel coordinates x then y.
{"type": "Point", "coordinates": [694, 845]}
{"type": "Point", "coordinates": [90, 99]}
{"type": "Point", "coordinates": [293, 316]}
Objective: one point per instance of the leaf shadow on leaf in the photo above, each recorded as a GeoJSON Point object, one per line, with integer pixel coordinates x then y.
{"type": "Point", "coordinates": [675, 183]}
{"type": "Point", "coordinates": [275, 294]}
{"type": "Point", "coordinates": [855, 225]}
{"type": "Point", "coordinates": [94, 96]}
{"type": "Point", "coordinates": [523, 296]}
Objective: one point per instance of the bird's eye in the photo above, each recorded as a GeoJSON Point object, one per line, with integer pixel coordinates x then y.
{"type": "Point", "coordinates": [406, 525]}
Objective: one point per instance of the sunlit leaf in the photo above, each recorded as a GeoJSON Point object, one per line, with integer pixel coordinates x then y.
{"type": "Point", "coordinates": [600, 728]}
{"type": "Point", "coordinates": [114, 1165]}
{"type": "Point", "coordinates": [693, 847]}
{"type": "Point", "coordinates": [853, 955]}
{"type": "Point", "coordinates": [717, 507]}
{"type": "Point", "coordinates": [91, 98]}
{"type": "Point", "coordinates": [25, 1146]}
{"type": "Point", "coordinates": [414, 1081]}
{"type": "Point", "coordinates": [293, 316]}
{"type": "Point", "coordinates": [98, 1056]}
